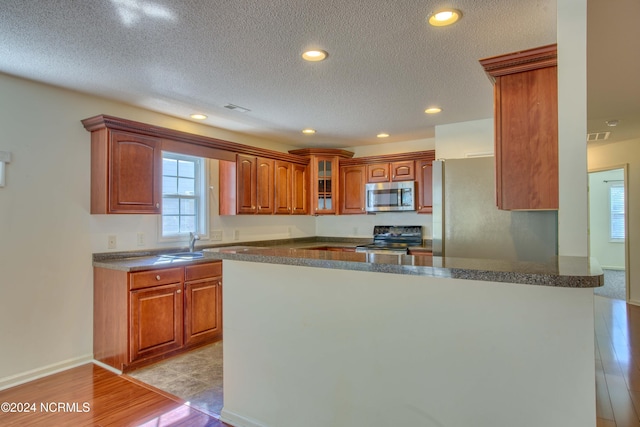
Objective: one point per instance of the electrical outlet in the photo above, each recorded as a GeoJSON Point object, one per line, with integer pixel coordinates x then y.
{"type": "Point", "coordinates": [236, 234]}
{"type": "Point", "coordinates": [111, 242]}
{"type": "Point", "coordinates": [140, 239]}
{"type": "Point", "coordinates": [355, 231]}
{"type": "Point", "coordinates": [216, 235]}
{"type": "Point", "coordinates": [289, 231]}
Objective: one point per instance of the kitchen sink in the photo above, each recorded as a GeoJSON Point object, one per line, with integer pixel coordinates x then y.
{"type": "Point", "coordinates": [184, 255]}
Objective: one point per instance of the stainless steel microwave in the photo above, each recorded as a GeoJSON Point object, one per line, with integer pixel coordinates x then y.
{"type": "Point", "coordinates": [391, 196]}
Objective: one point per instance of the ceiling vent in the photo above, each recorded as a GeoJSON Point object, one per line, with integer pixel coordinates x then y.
{"type": "Point", "coordinates": [598, 136]}
{"type": "Point", "coordinates": [237, 108]}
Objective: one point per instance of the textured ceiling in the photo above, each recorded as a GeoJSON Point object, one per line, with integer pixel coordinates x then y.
{"type": "Point", "coordinates": [385, 65]}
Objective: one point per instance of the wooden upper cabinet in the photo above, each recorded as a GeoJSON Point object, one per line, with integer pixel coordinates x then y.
{"type": "Point", "coordinates": [254, 189]}
{"type": "Point", "coordinates": [246, 190]}
{"type": "Point", "coordinates": [378, 172]}
{"type": "Point", "coordinates": [299, 193]}
{"type": "Point", "coordinates": [352, 189]}
{"type": "Point", "coordinates": [126, 173]}
{"type": "Point", "coordinates": [256, 185]}
{"type": "Point", "coordinates": [283, 187]}
{"type": "Point", "coordinates": [265, 185]}
{"type": "Point", "coordinates": [394, 171]}
{"type": "Point", "coordinates": [424, 186]}
{"type": "Point", "coordinates": [403, 171]}
{"type": "Point", "coordinates": [526, 128]}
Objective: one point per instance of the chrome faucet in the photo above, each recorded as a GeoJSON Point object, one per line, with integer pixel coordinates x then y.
{"type": "Point", "coordinates": [192, 241]}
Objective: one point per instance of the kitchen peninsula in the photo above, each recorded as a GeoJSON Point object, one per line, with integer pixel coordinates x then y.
{"type": "Point", "coordinates": [313, 337]}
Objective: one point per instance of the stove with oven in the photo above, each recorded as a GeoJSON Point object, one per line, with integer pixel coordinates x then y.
{"type": "Point", "coordinates": [393, 239]}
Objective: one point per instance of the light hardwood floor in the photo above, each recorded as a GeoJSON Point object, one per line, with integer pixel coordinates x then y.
{"type": "Point", "coordinates": [617, 331]}
{"type": "Point", "coordinates": [93, 396]}
{"type": "Point", "coordinates": [116, 401]}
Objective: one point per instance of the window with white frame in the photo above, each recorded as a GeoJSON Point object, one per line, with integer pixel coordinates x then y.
{"type": "Point", "coordinates": [183, 196]}
{"type": "Point", "coordinates": [616, 212]}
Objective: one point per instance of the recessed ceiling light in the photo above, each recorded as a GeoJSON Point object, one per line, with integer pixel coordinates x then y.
{"type": "Point", "coordinates": [444, 17]}
{"type": "Point", "coordinates": [383, 135]}
{"type": "Point", "coordinates": [198, 116]}
{"type": "Point", "coordinates": [433, 110]}
{"type": "Point", "coordinates": [315, 55]}
{"type": "Point", "coordinates": [308, 131]}
{"type": "Point", "coordinates": [612, 123]}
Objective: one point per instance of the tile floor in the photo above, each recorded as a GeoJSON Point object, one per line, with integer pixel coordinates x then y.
{"type": "Point", "coordinates": [195, 377]}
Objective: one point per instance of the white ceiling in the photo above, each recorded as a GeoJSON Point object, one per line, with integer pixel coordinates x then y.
{"type": "Point", "coordinates": [385, 65]}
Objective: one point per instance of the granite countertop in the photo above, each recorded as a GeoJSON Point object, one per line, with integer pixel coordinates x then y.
{"type": "Point", "coordinates": [572, 272]}
{"type": "Point", "coordinates": [153, 259]}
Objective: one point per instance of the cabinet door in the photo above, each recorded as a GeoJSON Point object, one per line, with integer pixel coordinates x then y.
{"type": "Point", "coordinates": [203, 310]}
{"type": "Point", "coordinates": [246, 191]}
{"type": "Point", "coordinates": [352, 183]}
{"type": "Point", "coordinates": [378, 172]}
{"type": "Point", "coordinates": [265, 186]}
{"type": "Point", "coordinates": [425, 186]}
{"type": "Point", "coordinates": [283, 187]}
{"type": "Point", "coordinates": [527, 140]}
{"type": "Point", "coordinates": [156, 320]}
{"type": "Point", "coordinates": [135, 174]}
{"type": "Point", "coordinates": [324, 180]}
{"type": "Point", "coordinates": [403, 171]}
{"type": "Point", "coordinates": [299, 182]}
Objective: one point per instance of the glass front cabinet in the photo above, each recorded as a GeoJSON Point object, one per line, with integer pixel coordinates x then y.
{"type": "Point", "coordinates": [324, 196]}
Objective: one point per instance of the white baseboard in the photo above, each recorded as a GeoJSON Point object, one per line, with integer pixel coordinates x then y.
{"type": "Point", "coordinates": [611, 267]}
{"type": "Point", "coordinates": [238, 420]}
{"type": "Point", "coordinates": [107, 367]}
{"type": "Point", "coordinates": [34, 374]}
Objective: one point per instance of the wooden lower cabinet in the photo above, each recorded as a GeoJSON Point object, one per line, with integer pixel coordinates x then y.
{"type": "Point", "coordinates": [140, 317]}
{"type": "Point", "coordinates": [156, 320]}
{"type": "Point", "coordinates": [203, 303]}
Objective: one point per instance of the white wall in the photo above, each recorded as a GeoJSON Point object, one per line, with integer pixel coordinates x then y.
{"type": "Point", "coordinates": [572, 127]}
{"type": "Point", "coordinates": [460, 140]}
{"type": "Point", "coordinates": [609, 254]}
{"type": "Point", "coordinates": [393, 147]}
{"type": "Point", "coordinates": [47, 235]}
{"type": "Point", "coordinates": [355, 348]}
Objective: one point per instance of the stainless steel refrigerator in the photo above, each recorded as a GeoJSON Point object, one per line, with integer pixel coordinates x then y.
{"type": "Point", "coordinates": [468, 224]}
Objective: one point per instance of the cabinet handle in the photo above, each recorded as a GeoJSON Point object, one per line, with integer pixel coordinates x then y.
{"type": "Point", "coordinates": [219, 283]}
{"type": "Point", "coordinates": [157, 205]}
{"type": "Point", "coordinates": [158, 277]}
{"type": "Point", "coordinates": [179, 291]}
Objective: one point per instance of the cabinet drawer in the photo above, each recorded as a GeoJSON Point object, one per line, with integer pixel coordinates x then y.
{"type": "Point", "coordinates": [200, 271]}
{"type": "Point", "coordinates": [145, 279]}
